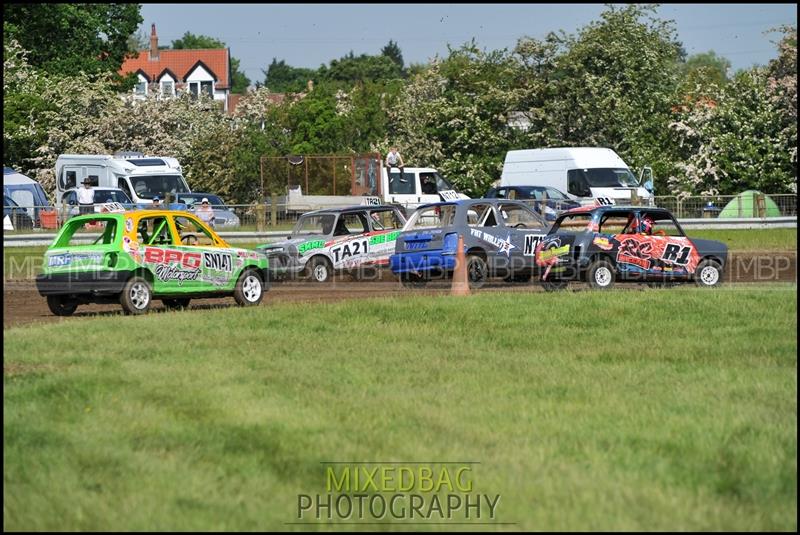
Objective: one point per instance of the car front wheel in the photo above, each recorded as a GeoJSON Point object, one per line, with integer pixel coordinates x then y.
{"type": "Point", "coordinates": [708, 274]}
{"type": "Point", "coordinates": [600, 275]}
{"type": "Point", "coordinates": [249, 289]}
{"type": "Point", "coordinates": [320, 270]}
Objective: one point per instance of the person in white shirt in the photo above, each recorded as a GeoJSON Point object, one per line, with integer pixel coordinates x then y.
{"type": "Point", "coordinates": [86, 197]}
{"type": "Point", "coordinates": [206, 213]}
{"type": "Point", "coordinates": [393, 159]}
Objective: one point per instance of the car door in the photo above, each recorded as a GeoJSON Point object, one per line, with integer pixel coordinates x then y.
{"type": "Point", "coordinates": [673, 255]}
{"type": "Point", "coordinates": [525, 230]}
{"type": "Point", "coordinates": [219, 266]}
{"type": "Point", "coordinates": [351, 245]}
{"type": "Point", "coordinates": [175, 269]}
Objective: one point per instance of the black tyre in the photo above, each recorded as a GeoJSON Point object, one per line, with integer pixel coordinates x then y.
{"type": "Point", "coordinates": [518, 278]}
{"type": "Point", "coordinates": [413, 281]}
{"type": "Point", "coordinates": [137, 294]}
{"type": "Point", "coordinates": [320, 269]}
{"type": "Point", "coordinates": [249, 289]}
{"type": "Point", "coordinates": [61, 305]}
{"type": "Point", "coordinates": [177, 303]}
{"type": "Point", "coordinates": [477, 271]}
{"type": "Point", "coordinates": [554, 286]}
{"type": "Point", "coordinates": [708, 273]}
{"type": "Point", "coordinates": [601, 274]}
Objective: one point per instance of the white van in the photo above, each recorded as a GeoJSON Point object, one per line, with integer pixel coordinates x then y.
{"type": "Point", "coordinates": [141, 177]}
{"type": "Point", "coordinates": [586, 174]}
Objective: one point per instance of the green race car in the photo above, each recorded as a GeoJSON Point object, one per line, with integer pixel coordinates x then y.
{"type": "Point", "coordinates": [137, 256]}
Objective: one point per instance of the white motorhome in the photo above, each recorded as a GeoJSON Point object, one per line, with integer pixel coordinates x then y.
{"type": "Point", "coordinates": [416, 186]}
{"type": "Point", "coordinates": [586, 174]}
{"type": "Point", "coordinates": [26, 192]}
{"type": "Point", "coordinates": [141, 177]}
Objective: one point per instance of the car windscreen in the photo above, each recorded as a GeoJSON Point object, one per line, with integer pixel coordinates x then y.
{"type": "Point", "coordinates": [148, 187]}
{"type": "Point", "coordinates": [609, 178]}
{"type": "Point", "coordinates": [314, 224]}
{"type": "Point", "coordinates": [442, 183]}
{"type": "Point", "coordinates": [192, 198]}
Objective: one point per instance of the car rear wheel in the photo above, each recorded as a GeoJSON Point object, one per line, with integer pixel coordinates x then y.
{"type": "Point", "coordinates": [61, 305]}
{"type": "Point", "coordinates": [477, 271]}
{"type": "Point", "coordinates": [136, 296]}
{"type": "Point", "coordinates": [708, 274]}
{"type": "Point", "coordinates": [320, 269]}
{"type": "Point", "coordinates": [176, 303]}
{"type": "Point", "coordinates": [249, 289]}
{"type": "Point", "coordinates": [600, 275]}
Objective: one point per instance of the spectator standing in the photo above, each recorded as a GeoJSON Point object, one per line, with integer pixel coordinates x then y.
{"type": "Point", "coordinates": [206, 213]}
{"type": "Point", "coordinates": [86, 197]}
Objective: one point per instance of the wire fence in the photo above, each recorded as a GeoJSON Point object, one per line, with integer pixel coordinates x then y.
{"type": "Point", "coordinates": [276, 214]}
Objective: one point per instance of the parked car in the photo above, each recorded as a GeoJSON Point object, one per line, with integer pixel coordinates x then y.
{"type": "Point", "coordinates": [556, 200]}
{"type": "Point", "coordinates": [102, 196]}
{"type": "Point", "coordinates": [601, 245]}
{"type": "Point", "coordinates": [134, 257]}
{"type": "Point", "coordinates": [500, 237]}
{"type": "Point", "coordinates": [223, 216]}
{"type": "Point", "coordinates": [17, 215]}
{"type": "Point", "coordinates": [337, 239]}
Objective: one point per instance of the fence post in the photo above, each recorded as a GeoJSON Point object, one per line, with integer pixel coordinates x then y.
{"type": "Point", "coordinates": [273, 210]}
{"type": "Point", "coordinates": [634, 197]}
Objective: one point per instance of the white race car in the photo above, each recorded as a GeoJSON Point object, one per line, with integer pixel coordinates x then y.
{"type": "Point", "coordinates": [336, 239]}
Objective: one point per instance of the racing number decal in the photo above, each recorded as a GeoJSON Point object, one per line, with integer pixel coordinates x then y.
{"type": "Point", "coordinates": [350, 250]}
{"type": "Point", "coordinates": [606, 201]}
{"type": "Point", "coordinates": [532, 241]}
{"type": "Point", "coordinates": [676, 254]}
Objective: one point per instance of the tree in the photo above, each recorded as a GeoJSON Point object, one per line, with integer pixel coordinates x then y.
{"type": "Point", "coordinates": [239, 81]}
{"type": "Point", "coordinates": [282, 78]}
{"type": "Point", "coordinates": [706, 68]}
{"type": "Point", "coordinates": [351, 68]}
{"type": "Point", "coordinates": [69, 38]}
{"type": "Point", "coordinates": [392, 51]}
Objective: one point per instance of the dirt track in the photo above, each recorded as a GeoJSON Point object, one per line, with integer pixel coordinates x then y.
{"type": "Point", "coordinates": [22, 304]}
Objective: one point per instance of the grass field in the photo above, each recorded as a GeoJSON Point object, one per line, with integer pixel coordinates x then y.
{"type": "Point", "coordinates": [652, 410]}
{"type": "Point", "coordinates": [26, 262]}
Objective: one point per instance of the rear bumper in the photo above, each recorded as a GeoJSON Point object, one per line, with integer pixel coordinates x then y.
{"type": "Point", "coordinates": [422, 261]}
{"type": "Point", "coordinates": [99, 282]}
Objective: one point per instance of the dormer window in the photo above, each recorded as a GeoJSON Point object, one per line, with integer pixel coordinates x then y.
{"type": "Point", "coordinates": [140, 89]}
{"type": "Point", "coordinates": [205, 87]}
{"type": "Point", "coordinates": [167, 88]}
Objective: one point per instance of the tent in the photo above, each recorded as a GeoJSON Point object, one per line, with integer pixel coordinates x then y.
{"type": "Point", "coordinates": [25, 191]}
{"type": "Point", "coordinates": [746, 204]}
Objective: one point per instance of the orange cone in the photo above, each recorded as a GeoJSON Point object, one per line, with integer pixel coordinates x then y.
{"type": "Point", "coordinates": [460, 283]}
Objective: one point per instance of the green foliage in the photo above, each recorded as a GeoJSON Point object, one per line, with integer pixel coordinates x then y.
{"type": "Point", "coordinates": [351, 68]}
{"type": "Point", "coordinates": [392, 51]}
{"type": "Point", "coordinates": [68, 38]}
{"type": "Point", "coordinates": [705, 69]}
{"type": "Point", "coordinates": [192, 41]}
{"type": "Point", "coordinates": [283, 78]}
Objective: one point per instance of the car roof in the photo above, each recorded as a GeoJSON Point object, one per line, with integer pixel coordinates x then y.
{"type": "Point", "coordinates": [349, 209]}
{"type": "Point", "coordinates": [615, 207]}
{"type": "Point", "coordinates": [140, 213]}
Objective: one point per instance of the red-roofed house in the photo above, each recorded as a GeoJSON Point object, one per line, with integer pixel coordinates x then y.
{"type": "Point", "coordinates": [168, 72]}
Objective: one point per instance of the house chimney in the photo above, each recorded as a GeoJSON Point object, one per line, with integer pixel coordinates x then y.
{"type": "Point", "coordinates": [153, 43]}
{"type": "Point", "coordinates": [310, 85]}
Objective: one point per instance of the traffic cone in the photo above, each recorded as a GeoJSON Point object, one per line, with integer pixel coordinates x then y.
{"type": "Point", "coordinates": [460, 283]}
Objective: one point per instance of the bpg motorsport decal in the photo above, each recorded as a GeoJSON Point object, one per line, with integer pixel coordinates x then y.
{"type": "Point", "coordinates": [171, 265]}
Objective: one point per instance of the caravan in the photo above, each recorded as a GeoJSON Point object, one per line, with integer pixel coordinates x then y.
{"type": "Point", "coordinates": [589, 175]}
{"type": "Point", "coordinates": [26, 193]}
{"type": "Point", "coordinates": [140, 177]}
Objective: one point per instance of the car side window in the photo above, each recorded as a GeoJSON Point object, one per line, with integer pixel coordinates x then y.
{"type": "Point", "coordinates": [154, 231]}
{"type": "Point", "coordinates": [351, 224]}
{"type": "Point", "coordinates": [515, 215]}
{"type": "Point", "coordinates": [192, 233]}
{"type": "Point", "coordinates": [385, 220]}
{"type": "Point", "coordinates": [481, 215]}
